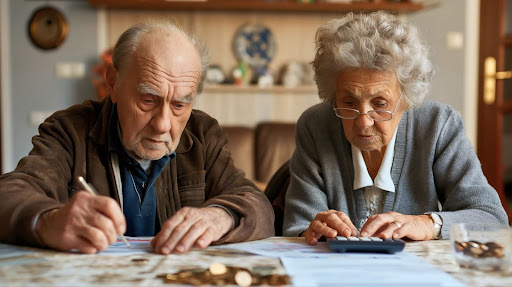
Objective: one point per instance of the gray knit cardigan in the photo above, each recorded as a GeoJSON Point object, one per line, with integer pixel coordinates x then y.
{"type": "Point", "coordinates": [434, 162]}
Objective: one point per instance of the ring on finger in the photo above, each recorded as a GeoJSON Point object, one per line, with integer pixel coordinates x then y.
{"type": "Point", "coordinates": [324, 223]}
{"type": "Point", "coordinates": [398, 224]}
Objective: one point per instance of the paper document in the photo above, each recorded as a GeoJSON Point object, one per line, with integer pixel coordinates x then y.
{"type": "Point", "coordinates": [16, 255]}
{"type": "Point", "coordinates": [139, 245]}
{"type": "Point", "coordinates": [280, 249]}
{"type": "Point", "coordinates": [366, 269]}
{"type": "Point", "coordinates": [9, 251]}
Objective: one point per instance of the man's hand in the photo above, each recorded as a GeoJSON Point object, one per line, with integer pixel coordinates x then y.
{"type": "Point", "coordinates": [396, 225]}
{"type": "Point", "coordinates": [329, 224]}
{"type": "Point", "coordinates": [189, 226]}
{"type": "Point", "coordinates": [88, 223]}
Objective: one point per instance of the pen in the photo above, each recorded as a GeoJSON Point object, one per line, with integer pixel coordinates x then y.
{"type": "Point", "coordinates": [91, 190]}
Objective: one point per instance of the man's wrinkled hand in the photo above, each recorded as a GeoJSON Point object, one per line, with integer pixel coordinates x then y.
{"type": "Point", "coordinates": [87, 223]}
{"type": "Point", "coordinates": [192, 226]}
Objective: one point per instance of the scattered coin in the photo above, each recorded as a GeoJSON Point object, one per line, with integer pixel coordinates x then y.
{"type": "Point", "coordinates": [263, 269]}
{"type": "Point", "coordinates": [243, 278]}
{"type": "Point", "coordinates": [140, 260]}
{"type": "Point", "coordinates": [218, 268]}
{"type": "Point", "coordinates": [276, 279]}
{"type": "Point", "coordinates": [172, 277]}
{"type": "Point", "coordinates": [219, 274]}
{"type": "Point", "coordinates": [480, 250]}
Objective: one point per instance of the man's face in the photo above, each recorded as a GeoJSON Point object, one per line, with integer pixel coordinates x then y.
{"type": "Point", "coordinates": [364, 90]}
{"type": "Point", "coordinates": [155, 92]}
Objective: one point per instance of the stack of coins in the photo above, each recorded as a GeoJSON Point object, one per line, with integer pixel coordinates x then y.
{"type": "Point", "coordinates": [477, 249]}
{"type": "Point", "coordinates": [219, 274]}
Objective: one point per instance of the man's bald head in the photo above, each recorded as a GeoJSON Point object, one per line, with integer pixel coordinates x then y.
{"type": "Point", "coordinates": [139, 34]}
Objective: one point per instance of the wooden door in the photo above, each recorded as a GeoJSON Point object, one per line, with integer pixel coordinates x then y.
{"type": "Point", "coordinates": [494, 100]}
{"type": "Point", "coordinates": [1, 162]}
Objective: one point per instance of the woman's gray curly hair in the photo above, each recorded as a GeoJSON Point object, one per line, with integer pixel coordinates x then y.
{"type": "Point", "coordinates": [377, 41]}
{"type": "Point", "coordinates": [129, 40]}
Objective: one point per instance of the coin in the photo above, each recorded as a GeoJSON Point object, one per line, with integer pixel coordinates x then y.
{"type": "Point", "coordinates": [459, 246]}
{"type": "Point", "coordinates": [263, 269]}
{"type": "Point", "coordinates": [477, 249]}
{"type": "Point", "coordinates": [171, 277]}
{"type": "Point", "coordinates": [220, 275]}
{"type": "Point", "coordinates": [194, 281]}
{"type": "Point", "coordinates": [217, 268]}
{"type": "Point", "coordinates": [141, 260]}
{"type": "Point", "coordinates": [276, 279]}
{"type": "Point", "coordinates": [243, 278]}
{"type": "Point", "coordinates": [494, 245]}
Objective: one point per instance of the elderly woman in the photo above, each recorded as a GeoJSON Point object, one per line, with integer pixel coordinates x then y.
{"type": "Point", "coordinates": [374, 156]}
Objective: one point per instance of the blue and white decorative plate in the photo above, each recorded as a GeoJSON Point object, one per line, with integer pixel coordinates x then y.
{"type": "Point", "coordinates": [255, 45]}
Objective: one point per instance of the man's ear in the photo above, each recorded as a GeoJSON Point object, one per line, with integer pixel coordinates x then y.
{"type": "Point", "coordinates": [111, 80]}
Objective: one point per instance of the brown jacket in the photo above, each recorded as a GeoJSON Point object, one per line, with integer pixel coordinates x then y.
{"type": "Point", "coordinates": [73, 143]}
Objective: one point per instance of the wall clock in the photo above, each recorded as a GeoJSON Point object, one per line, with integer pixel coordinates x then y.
{"type": "Point", "coordinates": [47, 28]}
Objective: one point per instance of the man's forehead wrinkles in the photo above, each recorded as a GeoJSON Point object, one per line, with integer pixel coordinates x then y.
{"type": "Point", "coordinates": [154, 81]}
{"type": "Point", "coordinates": [163, 77]}
{"type": "Point", "coordinates": [146, 64]}
{"type": "Point", "coordinates": [153, 67]}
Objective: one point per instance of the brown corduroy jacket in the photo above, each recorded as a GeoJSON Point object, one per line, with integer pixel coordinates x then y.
{"type": "Point", "coordinates": [73, 143]}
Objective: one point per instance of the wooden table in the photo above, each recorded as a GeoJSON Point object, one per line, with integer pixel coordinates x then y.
{"type": "Point", "coordinates": [51, 268]}
{"type": "Point", "coordinates": [438, 253]}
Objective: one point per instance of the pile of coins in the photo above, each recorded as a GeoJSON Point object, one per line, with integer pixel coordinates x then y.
{"type": "Point", "coordinates": [219, 274]}
{"type": "Point", "coordinates": [477, 249]}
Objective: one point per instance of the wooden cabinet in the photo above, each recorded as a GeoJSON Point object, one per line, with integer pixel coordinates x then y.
{"type": "Point", "coordinates": [262, 5]}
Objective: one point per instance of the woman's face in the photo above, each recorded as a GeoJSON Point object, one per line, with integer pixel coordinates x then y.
{"type": "Point", "coordinates": [364, 90]}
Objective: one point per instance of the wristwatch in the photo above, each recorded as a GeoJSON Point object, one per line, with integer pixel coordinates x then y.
{"type": "Point", "coordinates": [438, 223]}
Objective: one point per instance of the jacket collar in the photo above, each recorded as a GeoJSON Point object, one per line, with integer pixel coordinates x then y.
{"type": "Point", "coordinates": [99, 132]}
{"type": "Point", "coordinates": [186, 140]}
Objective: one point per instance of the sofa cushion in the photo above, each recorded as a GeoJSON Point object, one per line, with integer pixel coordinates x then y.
{"type": "Point", "coordinates": [241, 146]}
{"type": "Point", "coordinates": [275, 144]}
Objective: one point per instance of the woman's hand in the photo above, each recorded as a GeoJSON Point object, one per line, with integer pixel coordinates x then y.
{"type": "Point", "coordinates": [329, 224]}
{"type": "Point", "coordinates": [396, 225]}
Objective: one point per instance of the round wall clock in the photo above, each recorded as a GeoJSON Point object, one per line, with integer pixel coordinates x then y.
{"type": "Point", "coordinates": [255, 45]}
{"type": "Point", "coordinates": [47, 28]}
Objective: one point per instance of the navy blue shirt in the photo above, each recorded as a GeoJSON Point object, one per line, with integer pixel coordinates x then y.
{"type": "Point", "coordinates": [139, 199]}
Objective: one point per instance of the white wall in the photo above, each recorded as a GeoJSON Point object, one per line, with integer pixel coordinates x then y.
{"type": "Point", "coordinates": [31, 83]}
{"type": "Point", "coordinates": [457, 69]}
{"type": "Point", "coordinates": [5, 82]}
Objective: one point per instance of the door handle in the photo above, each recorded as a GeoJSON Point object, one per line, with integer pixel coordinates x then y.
{"type": "Point", "coordinates": [490, 77]}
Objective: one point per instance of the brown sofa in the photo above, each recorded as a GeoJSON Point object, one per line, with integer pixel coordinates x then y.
{"type": "Point", "coordinates": [262, 150]}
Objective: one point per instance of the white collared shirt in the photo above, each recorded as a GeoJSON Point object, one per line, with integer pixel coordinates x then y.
{"type": "Point", "coordinates": [374, 192]}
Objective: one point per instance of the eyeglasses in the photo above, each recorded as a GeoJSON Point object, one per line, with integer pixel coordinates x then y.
{"type": "Point", "coordinates": [352, 114]}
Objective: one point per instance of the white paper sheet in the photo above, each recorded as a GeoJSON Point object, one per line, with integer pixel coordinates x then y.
{"type": "Point", "coordinates": [366, 269]}
{"type": "Point", "coordinates": [16, 255]}
{"type": "Point", "coordinates": [10, 251]}
{"type": "Point", "coordinates": [138, 245]}
{"type": "Point", "coordinates": [280, 249]}
{"type": "Point", "coordinates": [319, 266]}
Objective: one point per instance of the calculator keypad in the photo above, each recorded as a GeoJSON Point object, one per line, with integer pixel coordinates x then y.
{"type": "Point", "coordinates": [365, 244]}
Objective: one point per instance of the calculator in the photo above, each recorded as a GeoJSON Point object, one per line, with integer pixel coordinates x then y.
{"type": "Point", "coordinates": [365, 244]}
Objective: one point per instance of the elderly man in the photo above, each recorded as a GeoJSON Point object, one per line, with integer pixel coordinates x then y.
{"type": "Point", "coordinates": [160, 167]}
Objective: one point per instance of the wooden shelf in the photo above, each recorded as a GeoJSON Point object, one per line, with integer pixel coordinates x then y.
{"type": "Point", "coordinates": [253, 5]}
{"type": "Point", "coordinates": [230, 88]}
